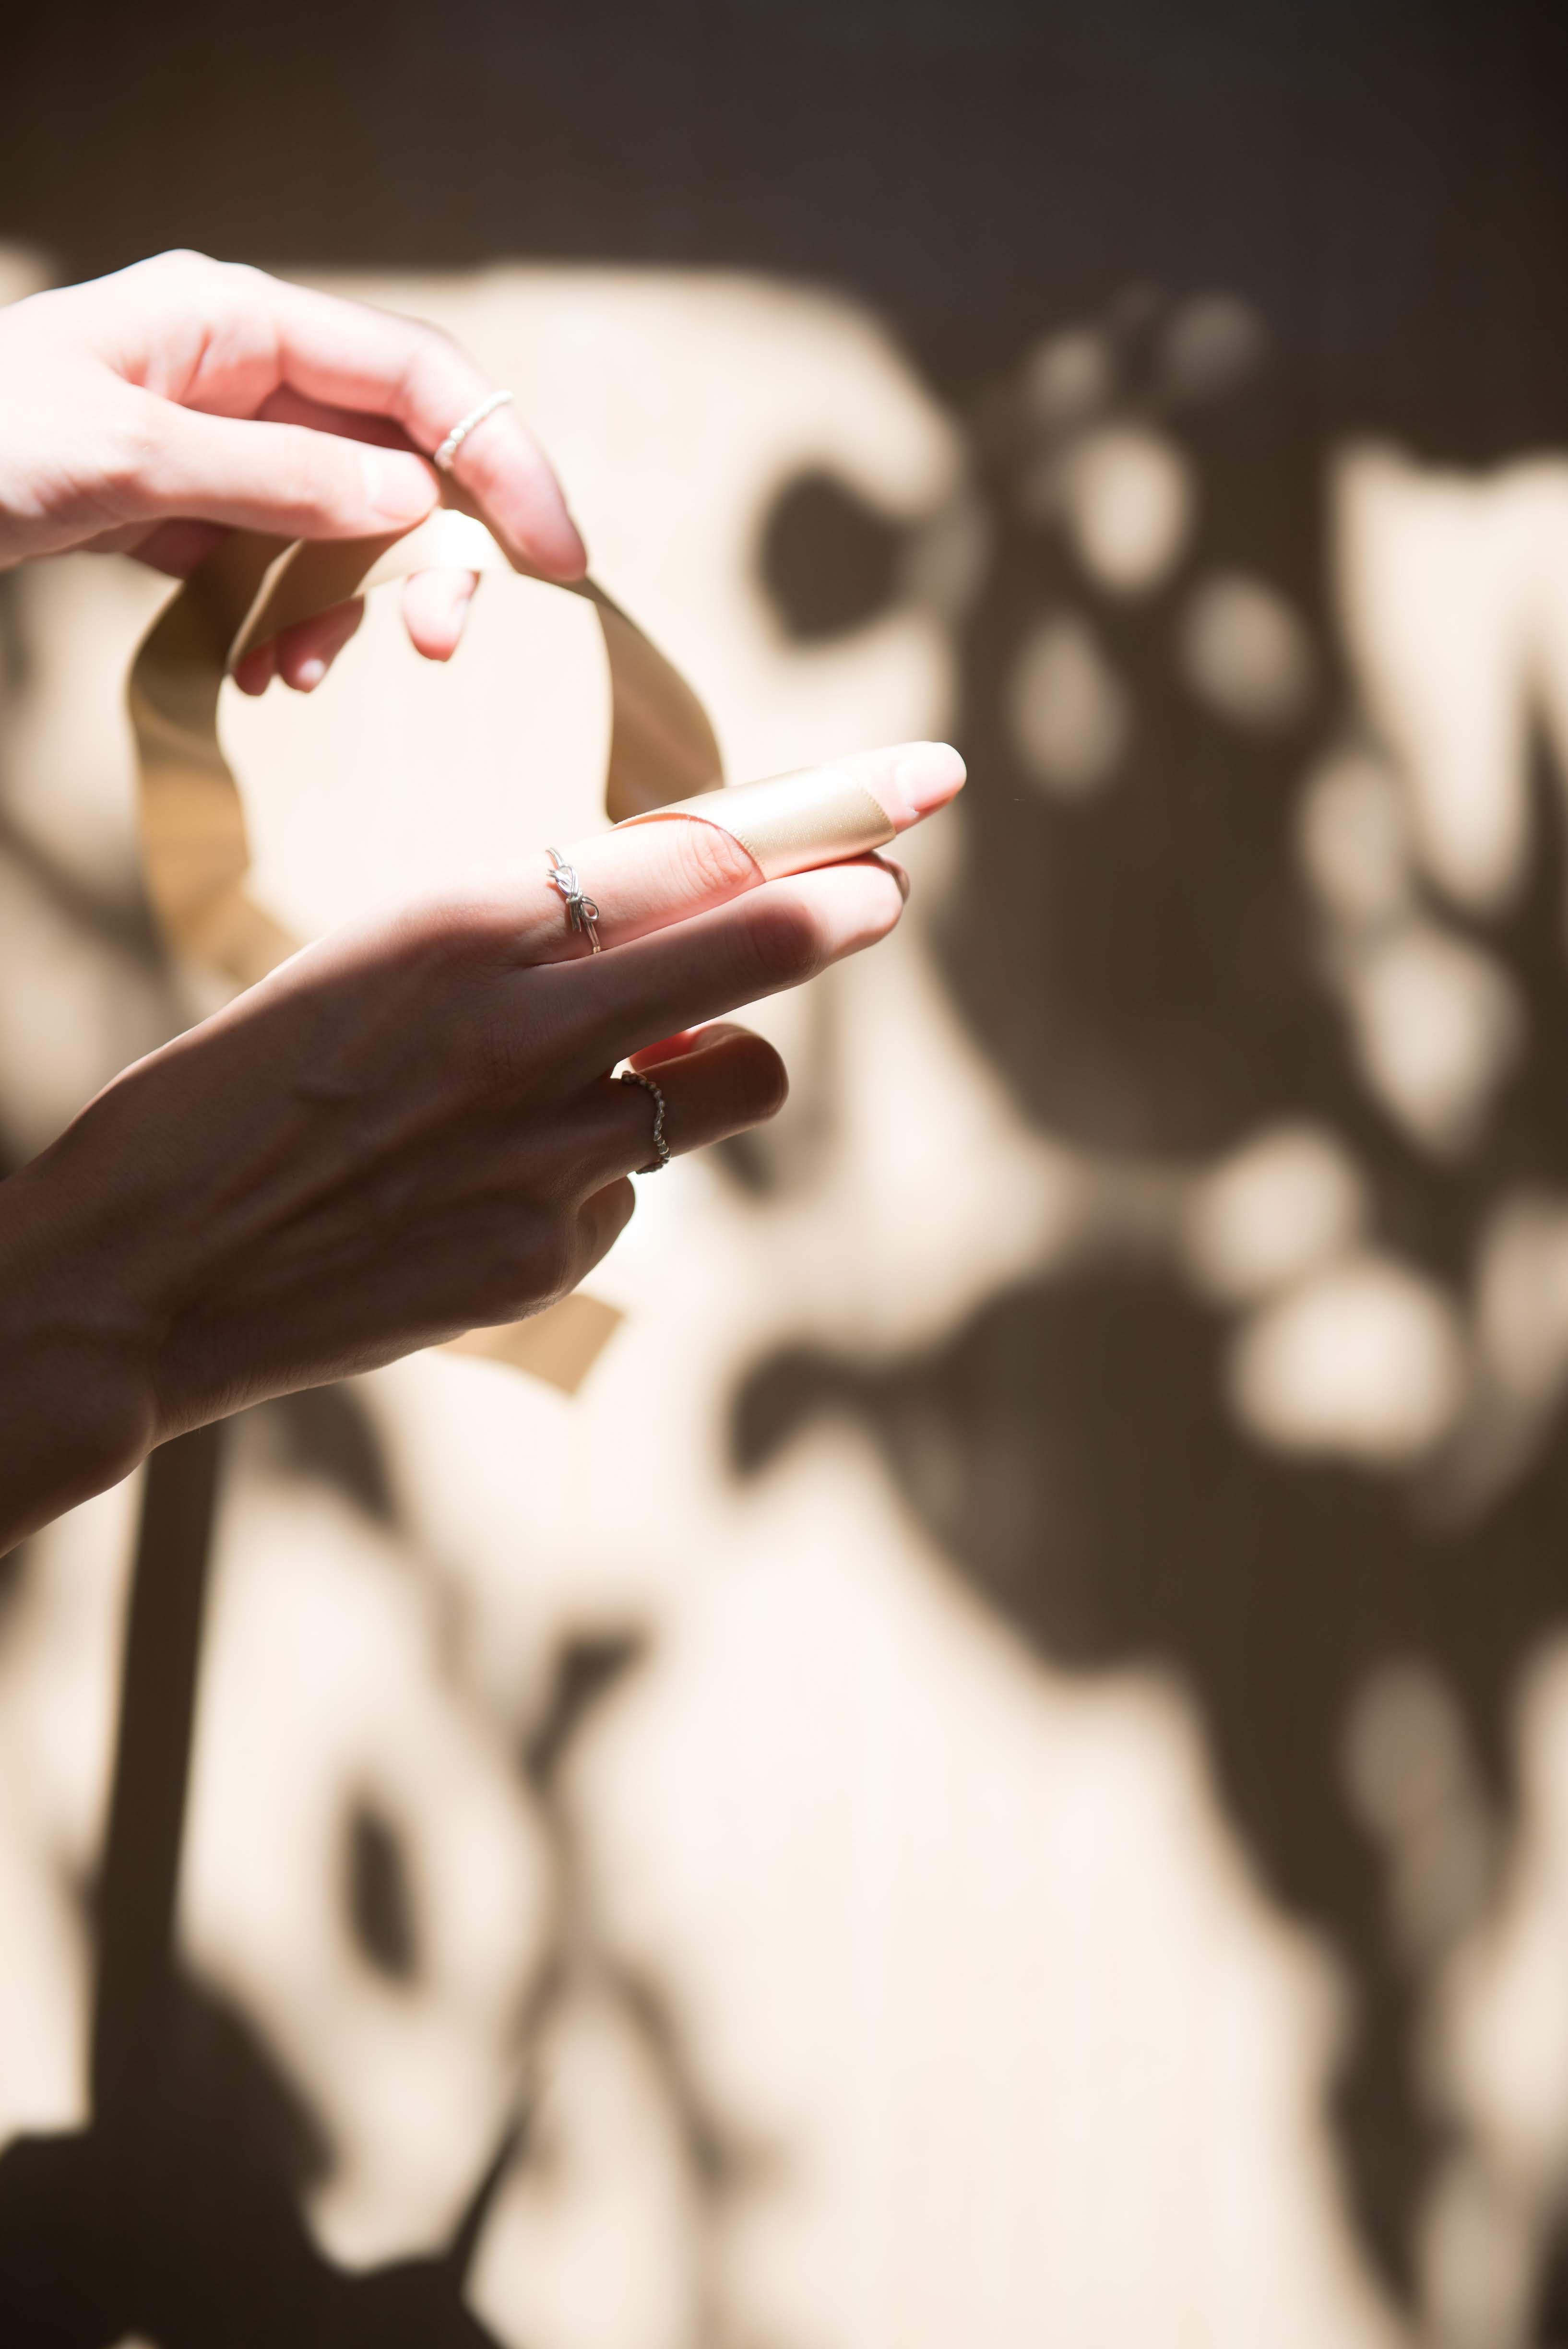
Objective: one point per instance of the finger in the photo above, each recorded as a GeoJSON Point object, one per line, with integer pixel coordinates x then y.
{"type": "Point", "coordinates": [175, 547]}
{"type": "Point", "coordinates": [306, 652]}
{"type": "Point", "coordinates": [911, 781]}
{"type": "Point", "coordinates": [261, 333]}
{"type": "Point", "coordinates": [775, 938]}
{"type": "Point", "coordinates": [435, 605]}
{"type": "Point", "coordinates": [258, 668]}
{"type": "Point", "coordinates": [722, 1080]}
{"type": "Point", "coordinates": [287, 405]}
{"type": "Point", "coordinates": [435, 602]}
{"type": "Point", "coordinates": [644, 876]}
{"type": "Point", "coordinates": [349, 356]}
{"type": "Point", "coordinates": [673, 1048]}
{"type": "Point", "coordinates": [279, 477]}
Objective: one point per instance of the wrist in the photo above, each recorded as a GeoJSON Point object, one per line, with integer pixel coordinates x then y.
{"type": "Point", "coordinates": [78, 1399]}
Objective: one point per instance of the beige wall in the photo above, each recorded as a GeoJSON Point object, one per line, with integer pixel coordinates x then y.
{"type": "Point", "coordinates": [881, 1985]}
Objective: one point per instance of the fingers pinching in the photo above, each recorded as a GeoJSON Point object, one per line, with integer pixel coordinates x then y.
{"type": "Point", "coordinates": [491, 453]}
{"type": "Point", "coordinates": [351, 355]}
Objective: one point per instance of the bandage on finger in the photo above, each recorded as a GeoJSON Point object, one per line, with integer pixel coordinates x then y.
{"type": "Point", "coordinates": [689, 973]}
{"type": "Point", "coordinates": [655, 870]}
{"type": "Point", "coordinates": [821, 815]}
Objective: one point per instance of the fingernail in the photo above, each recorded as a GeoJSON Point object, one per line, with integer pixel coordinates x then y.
{"type": "Point", "coordinates": [309, 673]}
{"type": "Point", "coordinates": [929, 774]}
{"type": "Point", "coordinates": [900, 876]}
{"type": "Point", "coordinates": [397, 487]}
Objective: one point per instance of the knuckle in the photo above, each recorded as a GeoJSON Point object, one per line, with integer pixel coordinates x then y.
{"type": "Point", "coordinates": [783, 943]}
{"type": "Point", "coordinates": [182, 274]}
{"type": "Point", "coordinates": [442, 955]}
{"type": "Point", "coordinates": [182, 261]}
{"type": "Point", "coordinates": [552, 1258]}
{"type": "Point", "coordinates": [431, 356]}
{"type": "Point", "coordinates": [611, 1209]}
{"type": "Point", "coordinates": [130, 440]}
{"type": "Point", "coordinates": [527, 1264]}
{"type": "Point", "coordinates": [450, 934]}
{"type": "Point", "coordinates": [426, 335]}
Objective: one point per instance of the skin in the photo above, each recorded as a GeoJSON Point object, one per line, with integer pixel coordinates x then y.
{"type": "Point", "coordinates": [410, 1129]}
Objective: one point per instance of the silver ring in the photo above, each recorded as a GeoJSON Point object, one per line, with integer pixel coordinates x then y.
{"type": "Point", "coordinates": [660, 1147]}
{"type": "Point", "coordinates": [464, 426]}
{"type": "Point", "coordinates": [581, 912]}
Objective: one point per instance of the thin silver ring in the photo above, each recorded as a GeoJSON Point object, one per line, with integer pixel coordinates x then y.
{"type": "Point", "coordinates": [581, 912]}
{"type": "Point", "coordinates": [464, 426]}
{"type": "Point", "coordinates": [660, 1147]}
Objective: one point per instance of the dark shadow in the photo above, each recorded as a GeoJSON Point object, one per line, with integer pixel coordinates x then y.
{"type": "Point", "coordinates": [829, 560]}
{"type": "Point", "coordinates": [175, 2215]}
{"type": "Point", "coordinates": [378, 1896]}
{"type": "Point", "coordinates": [588, 1670]}
{"type": "Point", "coordinates": [325, 1432]}
{"type": "Point", "coordinates": [1143, 969]}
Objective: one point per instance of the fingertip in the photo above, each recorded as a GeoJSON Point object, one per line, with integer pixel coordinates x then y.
{"type": "Point", "coordinates": [773, 1081]}
{"type": "Point", "coordinates": [516, 485]}
{"type": "Point", "coordinates": [908, 780]}
{"type": "Point", "coordinates": [306, 653]}
{"type": "Point", "coordinates": [257, 671]}
{"type": "Point", "coordinates": [435, 608]}
{"type": "Point", "coordinates": [929, 774]}
{"type": "Point", "coordinates": [569, 553]}
{"type": "Point", "coordinates": [399, 488]}
{"type": "Point", "coordinates": [302, 660]}
{"type": "Point", "coordinates": [551, 544]}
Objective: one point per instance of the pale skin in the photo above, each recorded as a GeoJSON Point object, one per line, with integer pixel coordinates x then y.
{"type": "Point", "coordinates": [410, 1128]}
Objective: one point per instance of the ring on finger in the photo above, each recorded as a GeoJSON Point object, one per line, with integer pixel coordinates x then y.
{"type": "Point", "coordinates": [445, 454]}
{"type": "Point", "coordinates": [660, 1146]}
{"type": "Point", "coordinates": [581, 912]}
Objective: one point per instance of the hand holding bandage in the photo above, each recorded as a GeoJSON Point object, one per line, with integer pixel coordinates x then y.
{"type": "Point", "coordinates": [410, 1129]}
{"type": "Point", "coordinates": [406, 1131]}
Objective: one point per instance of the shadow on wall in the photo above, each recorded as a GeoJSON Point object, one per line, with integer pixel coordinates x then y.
{"type": "Point", "coordinates": [1285, 929]}
{"type": "Point", "coordinates": [1263, 982]}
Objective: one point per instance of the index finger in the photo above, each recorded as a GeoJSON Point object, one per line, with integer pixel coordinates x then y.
{"type": "Point", "coordinates": [644, 876]}
{"type": "Point", "coordinates": [352, 355]}
{"type": "Point", "coordinates": [349, 356]}
{"type": "Point", "coordinates": [775, 938]}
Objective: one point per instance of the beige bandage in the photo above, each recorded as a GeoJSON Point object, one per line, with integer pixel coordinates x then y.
{"type": "Point", "coordinates": [790, 823]}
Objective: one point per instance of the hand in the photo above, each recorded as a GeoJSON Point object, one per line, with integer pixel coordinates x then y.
{"type": "Point", "coordinates": [150, 412]}
{"type": "Point", "coordinates": [407, 1131]}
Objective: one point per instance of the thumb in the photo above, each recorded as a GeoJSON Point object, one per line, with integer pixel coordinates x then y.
{"type": "Point", "coordinates": [283, 479]}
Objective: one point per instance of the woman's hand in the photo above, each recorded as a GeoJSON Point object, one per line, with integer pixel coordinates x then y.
{"type": "Point", "coordinates": [407, 1131]}
{"type": "Point", "coordinates": [150, 412]}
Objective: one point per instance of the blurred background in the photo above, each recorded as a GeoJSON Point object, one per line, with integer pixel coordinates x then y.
{"type": "Point", "coordinates": [1001, 1773]}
